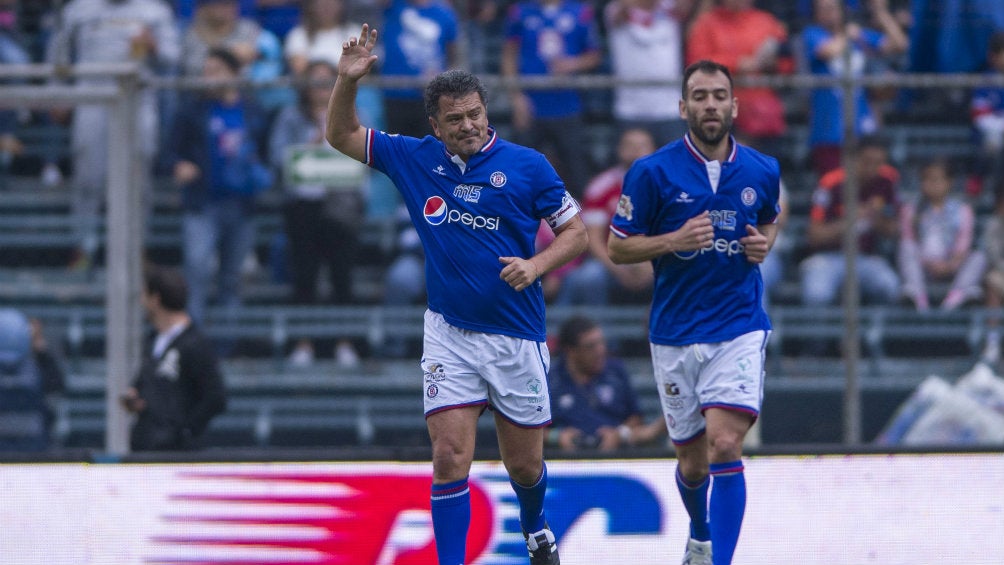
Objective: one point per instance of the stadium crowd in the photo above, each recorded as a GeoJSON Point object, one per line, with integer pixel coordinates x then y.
{"type": "Point", "coordinates": [260, 140]}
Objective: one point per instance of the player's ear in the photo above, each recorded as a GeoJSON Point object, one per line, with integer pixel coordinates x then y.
{"type": "Point", "coordinates": [435, 127]}
{"type": "Point", "coordinates": [735, 107]}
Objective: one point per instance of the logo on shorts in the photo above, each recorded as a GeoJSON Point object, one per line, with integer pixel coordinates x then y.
{"type": "Point", "coordinates": [432, 391]}
{"type": "Point", "coordinates": [434, 372]}
{"type": "Point", "coordinates": [497, 179]}
{"type": "Point", "coordinates": [671, 421]}
{"type": "Point", "coordinates": [435, 210]}
{"type": "Point", "coordinates": [534, 386]}
{"type": "Point", "coordinates": [671, 389]}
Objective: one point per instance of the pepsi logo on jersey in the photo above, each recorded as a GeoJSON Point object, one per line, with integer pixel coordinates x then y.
{"type": "Point", "coordinates": [437, 212]}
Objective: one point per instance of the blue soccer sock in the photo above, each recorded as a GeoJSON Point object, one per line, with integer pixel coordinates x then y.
{"type": "Point", "coordinates": [695, 500]}
{"type": "Point", "coordinates": [728, 504]}
{"type": "Point", "coordinates": [531, 502]}
{"type": "Point", "coordinates": [451, 516]}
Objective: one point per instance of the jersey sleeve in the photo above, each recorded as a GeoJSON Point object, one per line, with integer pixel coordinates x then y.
{"type": "Point", "coordinates": [769, 212]}
{"type": "Point", "coordinates": [552, 202]}
{"type": "Point", "coordinates": [385, 152]}
{"type": "Point", "coordinates": [637, 205]}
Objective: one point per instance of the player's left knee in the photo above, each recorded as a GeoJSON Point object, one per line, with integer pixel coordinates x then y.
{"type": "Point", "coordinates": [726, 445]}
{"type": "Point", "coordinates": [525, 473]}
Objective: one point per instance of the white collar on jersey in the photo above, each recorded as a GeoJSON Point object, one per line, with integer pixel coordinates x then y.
{"type": "Point", "coordinates": [713, 168]}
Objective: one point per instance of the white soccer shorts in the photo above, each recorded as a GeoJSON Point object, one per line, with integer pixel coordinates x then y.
{"type": "Point", "coordinates": [468, 368]}
{"type": "Point", "coordinates": [693, 378]}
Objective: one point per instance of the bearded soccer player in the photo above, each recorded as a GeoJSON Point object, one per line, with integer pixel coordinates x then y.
{"type": "Point", "coordinates": [703, 211]}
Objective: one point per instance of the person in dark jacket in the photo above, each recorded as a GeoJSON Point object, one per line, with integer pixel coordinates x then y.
{"type": "Point", "coordinates": [218, 151]}
{"type": "Point", "coordinates": [179, 386]}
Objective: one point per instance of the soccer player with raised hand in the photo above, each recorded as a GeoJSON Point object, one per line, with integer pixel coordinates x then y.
{"type": "Point", "coordinates": [476, 201]}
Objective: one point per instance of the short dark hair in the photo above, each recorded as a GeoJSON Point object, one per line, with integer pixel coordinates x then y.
{"type": "Point", "coordinates": [228, 58]}
{"type": "Point", "coordinates": [168, 284]}
{"type": "Point", "coordinates": [455, 83]}
{"type": "Point", "coordinates": [307, 84]}
{"type": "Point", "coordinates": [704, 66]}
{"type": "Point", "coordinates": [572, 330]}
{"type": "Point", "coordinates": [939, 162]}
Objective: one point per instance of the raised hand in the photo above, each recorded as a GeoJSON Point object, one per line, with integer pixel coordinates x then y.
{"type": "Point", "coordinates": [357, 54]}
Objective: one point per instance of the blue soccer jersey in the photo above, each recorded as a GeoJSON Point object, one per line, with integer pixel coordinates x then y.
{"type": "Point", "coordinates": [468, 216]}
{"type": "Point", "coordinates": [713, 294]}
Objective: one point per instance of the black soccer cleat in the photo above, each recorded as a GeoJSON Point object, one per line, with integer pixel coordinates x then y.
{"type": "Point", "coordinates": [542, 547]}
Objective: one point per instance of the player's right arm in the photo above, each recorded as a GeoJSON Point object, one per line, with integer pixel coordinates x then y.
{"type": "Point", "coordinates": [343, 131]}
{"type": "Point", "coordinates": [696, 233]}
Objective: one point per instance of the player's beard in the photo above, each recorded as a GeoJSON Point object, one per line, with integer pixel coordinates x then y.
{"type": "Point", "coordinates": [708, 137]}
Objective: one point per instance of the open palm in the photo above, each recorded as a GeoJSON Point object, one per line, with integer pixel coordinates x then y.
{"type": "Point", "coordinates": [357, 54]}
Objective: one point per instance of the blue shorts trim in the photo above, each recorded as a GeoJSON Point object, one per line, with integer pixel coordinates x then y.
{"type": "Point", "coordinates": [689, 440]}
{"type": "Point", "coordinates": [731, 407]}
{"type": "Point", "coordinates": [482, 403]}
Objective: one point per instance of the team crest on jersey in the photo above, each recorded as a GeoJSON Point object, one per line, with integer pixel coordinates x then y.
{"type": "Point", "coordinates": [497, 179]}
{"type": "Point", "coordinates": [625, 208]}
{"type": "Point", "coordinates": [748, 196]}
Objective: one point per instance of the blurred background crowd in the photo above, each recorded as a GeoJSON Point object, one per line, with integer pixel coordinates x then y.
{"type": "Point", "coordinates": [259, 210]}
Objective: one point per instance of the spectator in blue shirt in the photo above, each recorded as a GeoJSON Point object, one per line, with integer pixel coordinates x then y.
{"type": "Point", "coordinates": [593, 404]}
{"type": "Point", "coordinates": [218, 150]}
{"type": "Point", "coordinates": [986, 109]}
{"type": "Point", "coordinates": [825, 43]}
{"type": "Point", "coordinates": [420, 41]}
{"type": "Point", "coordinates": [553, 38]}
